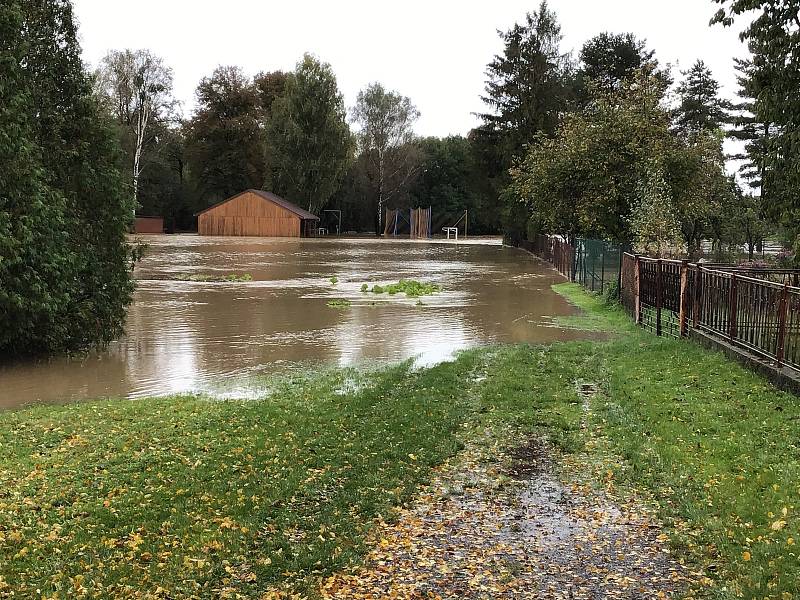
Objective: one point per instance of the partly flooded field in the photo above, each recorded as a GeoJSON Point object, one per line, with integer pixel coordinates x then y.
{"type": "Point", "coordinates": [185, 335]}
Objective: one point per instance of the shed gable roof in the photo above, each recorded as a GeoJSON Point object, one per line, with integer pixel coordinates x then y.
{"type": "Point", "coordinates": [270, 197]}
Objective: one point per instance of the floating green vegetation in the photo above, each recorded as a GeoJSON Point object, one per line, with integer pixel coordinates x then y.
{"type": "Point", "coordinates": [339, 303]}
{"type": "Point", "coordinates": [230, 277]}
{"type": "Point", "coordinates": [334, 280]}
{"type": "Point", "coordinates": [364, 287]}
{"type": "Point", "coordinates": [410, 287]}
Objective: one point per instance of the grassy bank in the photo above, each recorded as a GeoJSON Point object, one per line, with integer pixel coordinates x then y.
{"type": "Point", "coordinates": [713, 444]}
{"type": "Point", "coordinates": [185, 497]}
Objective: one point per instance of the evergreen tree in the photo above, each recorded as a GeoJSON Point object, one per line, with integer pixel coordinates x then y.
{"type": "Point", "coordinates": [33, 241]}
{"type": "Point", "coordinates": [310, 144]}
{"type": "Point", "coordinates": [748, 128]}
{"type": "Point", "coordinates": [701, 108]}
{"type": "Point", "coordinates": [608, 59]}
{"type": "Point", "coordinates": [66, 262]}
{"type": "Point", "coordinates": [527, 85]}
{"type": "Point", "coordinates": [773, 37]}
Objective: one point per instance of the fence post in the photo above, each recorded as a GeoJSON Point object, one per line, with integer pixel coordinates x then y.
{"type": "Point", "coordinates": [603, 268]}
{"type": "Point", "coordinates": [573, 261]}
{"type": "Point", "coordinates": [684, 297]}
{"type": "Point", "coordinates": [698, 279]}
{"type": "Point", "coordinates": [637, 298]}
{"type": "Point", "coordinates": [783, 309]}
{"type": "Point", "coordinates": [659, 294]}
{"type": "Point", "coordinates": [733, 298]}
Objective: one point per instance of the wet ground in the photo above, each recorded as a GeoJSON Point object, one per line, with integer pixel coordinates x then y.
{"type": "Point", "coordinates": [486, 529]}
{"type": "Point", "coordinates": [218, 337]}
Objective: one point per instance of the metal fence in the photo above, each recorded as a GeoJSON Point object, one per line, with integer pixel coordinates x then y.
{"type": "Point", "coordinates": [595, 264]}
{"type": "Point", "coordinates": [758, 311]}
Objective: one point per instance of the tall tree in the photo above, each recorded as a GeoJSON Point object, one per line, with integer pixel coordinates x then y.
{"type": "Point", "coordinates": [310, 143]}
{"type": "Point", "coordinates": [526, 88]}
{"type": "Point", "coordinates": [67, 238]}
{"type": "Point", "coordinates": [386, 120]}
{"type": "Point", "coordinates": [139, 88]}
{"type": "Point", "coordinates": [749, 129]}
{"type": "Point", "coordinates": [701, 188]}
{"type": "Point", "coordinates": [33, 245]}
{"type": "Point", "coordinates": [773, 38]}
{"type": "Point", "coordinates": [608, 59]}
{"type": "Point", "coordinates": [225, 137]}
{"type": "Point", "coordinates": [701, 108]}
{"type": "Point", "coordinates": [587, 180]}
{"type": "Point", "coordinates": [584, 180]}
{"type": "Point", "coordinates": [270, 86]}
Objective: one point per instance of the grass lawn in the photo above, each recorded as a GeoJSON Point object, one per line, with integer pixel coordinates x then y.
{"type": "Point", "coordinates": [184, 497]}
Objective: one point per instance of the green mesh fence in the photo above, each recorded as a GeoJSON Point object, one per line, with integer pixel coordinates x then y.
{"type": "Point", "coordinates": [597, 264]}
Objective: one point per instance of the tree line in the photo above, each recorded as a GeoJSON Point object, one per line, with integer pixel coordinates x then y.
{"type": "Point", "coordinates": [286, 132]}
{"type": "Point", "coordinates": [606, 145]}
{"type": "Point", "coordinates": [610, 147]}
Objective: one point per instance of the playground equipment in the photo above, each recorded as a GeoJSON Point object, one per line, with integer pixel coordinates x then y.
{"type": "Point", "coordinates": [338, 214]}
{"type": "Point", "coordinates": [465, 218]}
{"type": "Point", "coordinates": [418, 221]}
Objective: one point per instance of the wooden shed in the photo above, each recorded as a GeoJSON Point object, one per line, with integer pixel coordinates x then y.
{"type": "Point", "coordinates": [148, 225]}
{"type": "Point", "coordinates": [256, 213]}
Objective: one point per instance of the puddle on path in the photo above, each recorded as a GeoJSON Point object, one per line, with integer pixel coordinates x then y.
{"type": "Point", "coordinates": [476, 534]}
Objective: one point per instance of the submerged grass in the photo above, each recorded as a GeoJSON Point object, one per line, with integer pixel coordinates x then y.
{"type": "Point", "coordinates": [230, 277]}
{"type": "Point", "coordinates": [410, 287]}
{"type": "Point", "coordinates": [212, 498]}
{"type": "Point", "coordinates": [339, 303]}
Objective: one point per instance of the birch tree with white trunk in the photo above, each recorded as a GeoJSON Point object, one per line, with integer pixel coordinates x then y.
{"type": "Point", "coordinates": [386, 120]}
{"type": "Point", "coordinates": [138, 87]}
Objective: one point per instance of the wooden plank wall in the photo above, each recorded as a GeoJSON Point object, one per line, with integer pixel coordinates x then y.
{"type": "Point", "coordinates": [249, 215]}
{"type": "Point", "coordinates": [148, 225]}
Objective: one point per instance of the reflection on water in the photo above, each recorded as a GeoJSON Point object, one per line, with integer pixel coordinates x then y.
{"type": "Point", "coordinates": [213, 337]}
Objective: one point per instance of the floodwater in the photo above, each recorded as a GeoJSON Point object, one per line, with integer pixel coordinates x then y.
{"type": "Point", "coordinates": [219, 337]}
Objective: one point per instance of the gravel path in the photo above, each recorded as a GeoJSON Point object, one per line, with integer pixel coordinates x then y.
{"type": "Point", "coordinates": [508, 528]}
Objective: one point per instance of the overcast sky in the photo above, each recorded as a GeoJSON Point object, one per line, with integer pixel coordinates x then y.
{"type": "Point", "coordinates": [434, 51]}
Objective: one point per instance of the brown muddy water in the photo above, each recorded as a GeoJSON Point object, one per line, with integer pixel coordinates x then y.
{"type": "Point", "coordinates": [221, 337]}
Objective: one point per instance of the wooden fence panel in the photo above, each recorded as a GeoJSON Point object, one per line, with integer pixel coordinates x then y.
{"type": "Point", "coordinates": [627, 292]}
